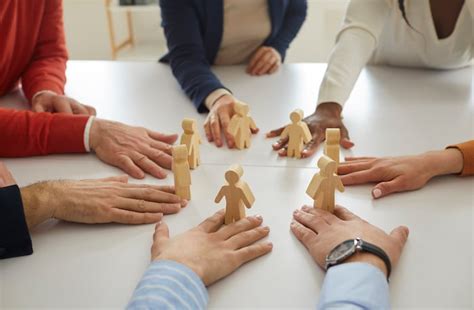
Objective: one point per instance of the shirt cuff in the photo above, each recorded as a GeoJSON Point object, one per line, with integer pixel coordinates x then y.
{"type": "Point", "coordinates": [214, 96]}
{"type": "Point", "coordinates": [87, 134]}
{"type": "Point", "coordinates": [354, 285]}
{"type": "Point", "coordinates": [467, 150]}
{"type": "Point", "coordinates": [43, 92]}
{"type": "Point", "coordinates": [169, 285]}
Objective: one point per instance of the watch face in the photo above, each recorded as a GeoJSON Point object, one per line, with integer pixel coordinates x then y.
{"type": "Point", "coordinates": [344, 249]}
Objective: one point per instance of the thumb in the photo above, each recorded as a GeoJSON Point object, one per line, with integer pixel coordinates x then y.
{"type": "Point", "coordinates": [400, 234]}
{"type": "Point", "coordinates": [386, 188]}
{"type": "Point", "coordinates": [162, 233]}
{"type": "Point", "coordinates": [120, 178]}
{"type": "Point", "coordinates": [38, 108]}
{"type": "Point", "coordinates": [345, 139]}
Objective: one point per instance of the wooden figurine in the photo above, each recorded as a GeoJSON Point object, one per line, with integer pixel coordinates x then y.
{"type": "Point", "coordinates": [324, 184]}
{"type": "Point", "coordinates": [182, 174]}
{"type": "Point", "coordinates": [237, 194]}
{"type": "Point", "coordinates": [241, 124]}
{"type": "Point", "coordinates": [191, 139]}
{"type": "Point", "coordinates": [298, 134]}
{"type": "Point", "coordinates": [332, 147]}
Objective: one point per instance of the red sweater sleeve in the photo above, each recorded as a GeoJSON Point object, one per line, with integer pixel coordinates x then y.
{"type": "Point", "coordinates": [467, 150]}
{"type": "Point", "coordinates": [24, 133]}
{"type": "Point", "coordinates": [46, 70]}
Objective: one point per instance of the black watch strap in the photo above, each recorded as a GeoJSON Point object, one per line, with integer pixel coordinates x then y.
{"type": "Point", "coordinates": [373, 249]}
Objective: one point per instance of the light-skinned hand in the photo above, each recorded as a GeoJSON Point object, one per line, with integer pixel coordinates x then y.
{"type": "Point", "coordinates": [399, 174]}
{"type": "Point", "coordinates": [213, 250]}
{"type": "Point", "coordinates": [320, 232]}
{"type": "Point", "coordinates": [135, 150]}
{"type": "Point", "coordinates": [266, 60]}
{"type": "Point", "coordinates": [6, 178]}
{"type": "Point", "coordinates": [110, 200]}
{"type": "Point", "coordinates": [50, 102]}
{"type": "Point", "coordinates": [327, 115]}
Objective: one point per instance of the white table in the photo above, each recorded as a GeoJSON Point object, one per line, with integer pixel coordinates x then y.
{"type": "Point", "coordinates": [392, 112]}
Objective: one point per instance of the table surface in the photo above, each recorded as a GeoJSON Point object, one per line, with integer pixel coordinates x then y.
{"type": "Point", "coordinates": [391, 112]}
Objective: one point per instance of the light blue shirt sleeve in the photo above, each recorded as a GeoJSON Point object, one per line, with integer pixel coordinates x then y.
{"type": "Point", "coordinates": [354, 286]}
{"type": "Point", "coordinates": [169, 285]}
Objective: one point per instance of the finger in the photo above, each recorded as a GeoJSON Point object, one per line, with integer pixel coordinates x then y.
{"type": "Point", "coordinates": [165, 147]}
{"type": "Point", "coordinates": [255, 59]}
{"type": "Point", "coordinates": [162, 233]}
{"type": "Point", "coordinates": [252, 252]}
{"type": "Point", "coordinates": [265, 61]}
{"type": "Point", "coordinates": [90, 110]}
{"type": "Point", "coordinates": [38, 108]}
{"type": "Point", "coordinates": [245, 224]}
{"type": "Point", "coordinates": [274, 68]}
{"type": "Point", "coordinates": [386, 188]}
{"type": "Point", "coordinates": [345, 139]}
{"type": "Point", "coordinates": [344, 214]}
{"type": "Point", "coordinates": [328, 217]}
{"type": "Point", "coordinates": [249, 237]}
{"type": "Point", "coordinates": [283, 152]}
{"type": "Point", "coordinates": [149, 194]}
{"type": "Point", "coordinates": [268, 63]}
{"type": "Point", "coordinates": [159, 157]}
{"type": "Point", "coordinates": [316, 224]}
{"type": "Point", "coordinates": [275, 133]}
{"type": "Point", "coordinates": [349, 158]}
{"type": "Point", "coordinates": [207, 130]}
{"type": "Point", "coordinates": [360, 177]}
{"type": "Point", "coordinates": [311, 147]}
{"type": "Point", "coordinates": [303, 234]}
{"type": "Point", "coordinates": [134, 218]}
{"type": "Point", "coordinates": [126, 164]}
{"type": "Point", "coordinates": [254, 131]}
{"type": "Point", "coordinates": [280, 144]}
{"type": "Point", "coordinates": [62, 106]}
{"type": "Point", "coordinates": [225, 120]}
{"type": "Point", "coordinates": [142, 206]}
{"type": "Point", "coordinates": [354, 167]}
{"type": "Point", "coordinates": [170, 139]}
{"type": "Point", "coordinates": [216, 131]}
{"type": "Point", "coordinates": [213, 223]}
{"type": "Point", "coordinates": [401, 234]}
{"type": "Point", "coordinates": [6, 175]}
{"type": "Point", "coordinates": [148, 166]}
{"type": "Point", "coordinates": [78, 108]}
{"type": "Point", "coordinates": [120, 179]}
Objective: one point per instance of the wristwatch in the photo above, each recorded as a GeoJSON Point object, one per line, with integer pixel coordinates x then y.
{"type": "Point", "coordinates": [349, 247]}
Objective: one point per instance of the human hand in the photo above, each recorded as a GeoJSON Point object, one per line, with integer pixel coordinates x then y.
{"type": "Point", "coordinates": [213, 250]}
{"type": "Point", "coordinates": [398, 174]}
{"type": "Point", "coordinates": [6, 178]}
{"type": "Point", "coordinates": [327, 115]}
{"type": "Point", "coordinates": [50, 102]}
{"type": "Point", "coordinates": [135, 150]}
{"type": "Point", "coordinates": [110, 200]}
{"type": "Point", "coordinates": [320, 232]}
{"type": "Point", "coordinates": [266, 60]}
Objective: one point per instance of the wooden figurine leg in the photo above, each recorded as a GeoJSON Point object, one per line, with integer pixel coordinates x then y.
{"type": "Point", "coordinates": [184, 192]}
{"type": "Point", "coordinates": [229, 217]}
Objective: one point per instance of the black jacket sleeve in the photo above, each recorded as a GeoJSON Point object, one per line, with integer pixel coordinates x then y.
{"type": "Point", "coordinates": [14, 235]}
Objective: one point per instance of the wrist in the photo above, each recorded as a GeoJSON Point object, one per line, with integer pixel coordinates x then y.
{"type": "Point", "coordinates": [368, 258]}
{"type": "Point", "coordinates": [36, 204]}
{"type": "Point", "coordinates": [96, 129]}
{"type": "Point", "coordinates": [331, 109]}
{"type": "Point", "coordinates": [449, 161]}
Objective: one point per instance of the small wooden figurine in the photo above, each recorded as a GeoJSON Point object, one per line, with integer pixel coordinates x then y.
{"type": "Point", "coordinates": [237, 194]}
{"type": "Point", "coordinates": [241, 124]}
{"type": "Point", "coordinates": [332, 148]}
{"type": "Point", "coordinates": [298, 134]}
{"type": "Point", "coordinates": [324, 184]}
{"type": "Point", "coordinates": [191, 139]}
{"type": "Point", "coordinates": [182, 174]}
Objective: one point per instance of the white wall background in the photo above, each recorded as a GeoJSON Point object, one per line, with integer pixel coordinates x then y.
{"type": "Point", "coordinates": [88, 37]}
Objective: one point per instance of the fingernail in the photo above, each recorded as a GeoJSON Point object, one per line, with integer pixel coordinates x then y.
{"type": "Point", "coordinates": [258, 217]}
{"type": "Point", "coordinates": [305, 208]}
{"type": "Point", "coordinates": [269, 244]}
{"type": "Point", "coordinates": [266, 228]}
{"type": "Point", "coordinates": [296, 212]}
{"type": "Point", "coordinates": [377, 193]}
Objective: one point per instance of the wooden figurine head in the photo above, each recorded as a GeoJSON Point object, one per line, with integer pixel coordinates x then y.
{"type": "Point", "coordinates": [333, 135]}
{"type": "Point", "coordinates": [189, 125]}
{"type": "Point", "coordinates": [296, 116]}
{"type": "Point", "coordinates": [180, 153]}
{"type": "Point", "coordinates": [241, 108]}
{"type": "Point", "coordinates": [327, 166]}
{"type": "Point", "coordinates": [233, 175]}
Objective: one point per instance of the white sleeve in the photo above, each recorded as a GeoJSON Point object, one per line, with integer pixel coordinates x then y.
{"type": "Point", "coordinates": [355, 44]}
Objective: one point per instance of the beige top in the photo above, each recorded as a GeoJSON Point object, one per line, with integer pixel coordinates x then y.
{"type": "Point", "coordinates": [247, 25]}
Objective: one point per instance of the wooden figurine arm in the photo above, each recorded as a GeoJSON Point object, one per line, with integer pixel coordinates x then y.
{"type": "Point", "coordinates": [306, 134]}
{"type": "Point", "coordinates": [339, 185]}
{"type": "Point", "coordinates": [285, 133]}
{"type": "Point", "coordinates": [219, 196]}
{"type": "Point", "coordinates": [233, 126]}
{"type": "Point", "coordinates": [252, 123]}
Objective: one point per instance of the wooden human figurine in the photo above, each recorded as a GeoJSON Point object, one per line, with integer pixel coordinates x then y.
{"type": "Point", "coordinates": [324, 184]}
{"type": "Point", "coordinates": [241, 125]}
{"type": "Point", "coordinates": [191, 139]}
{"type": "Point", "coordinates": [237, 194]}
{"type": "Point", "coordinates": [182, 174]}
{"type": "Point", "coordinates": [332, 148]}
{"type": "Point", "coordinates": [298, 134]}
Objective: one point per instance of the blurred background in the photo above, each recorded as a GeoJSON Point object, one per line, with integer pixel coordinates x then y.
{"type": "Point", "coordinates": [105, 30]}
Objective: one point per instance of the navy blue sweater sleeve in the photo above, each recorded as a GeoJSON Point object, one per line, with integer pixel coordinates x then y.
{"type": "Point", "coordinates": [187, 55]}
{"type": "Point", "coordinates": [14, 235]}
{"type": "Point", "coordinates": [293, 21]}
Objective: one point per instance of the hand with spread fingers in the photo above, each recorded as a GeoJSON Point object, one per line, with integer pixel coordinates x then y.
{"type": "Point", "coordinates": [399, 174]}
{"type": "Point", "coordinates": [213, 250]}
{"type": "Point", "coordinates": [110, 200]}
{"type": "Point", "coordinates": [327, 115]}
{"type": "Point", "coordinates": [6, 178]}
{"type": "Point", "coordinates": [266, 60]}
{"type": "Point", "coordinates": [321, 231]}
{"type": "Point", "coordinates": [218, 120]}
{"type": "Point", "coordinates": [135, 150]}
{"type": "Point", "coordinates": [51, 102]}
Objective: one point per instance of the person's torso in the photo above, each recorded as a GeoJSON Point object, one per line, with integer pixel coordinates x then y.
{"type": "Point", "coordinates": [400, 45]}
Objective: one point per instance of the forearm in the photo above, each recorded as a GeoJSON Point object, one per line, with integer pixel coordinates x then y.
{"type": "Point", "coordinates": [449, 161]}
{"type": "Point", "coordinates": [167, 284]}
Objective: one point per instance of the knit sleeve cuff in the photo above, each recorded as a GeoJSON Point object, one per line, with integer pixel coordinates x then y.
{"type": "Point", "coordinates": [467, 150]}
